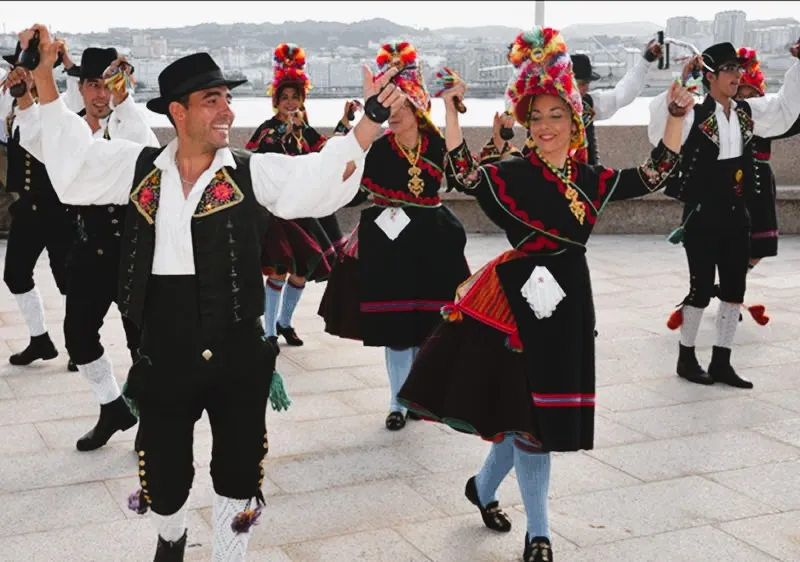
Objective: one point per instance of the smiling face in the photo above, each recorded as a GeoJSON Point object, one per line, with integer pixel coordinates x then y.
{"type": "Point", "coordinates": [289, 101]}
{"type": "Point", "coordinates": [96, 98]}
{"type": "Point", "coordinates": [206, 119]}
{"type": "Point", "coordinates": [725, 82]}
{"type": "Point", "coordinates": [550, 126]}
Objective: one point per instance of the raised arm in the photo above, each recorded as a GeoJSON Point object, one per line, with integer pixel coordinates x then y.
{"type": "Point", "coordinates": [129, 123]}
{"type": "Point", "coordinates": [608, 102]}
{"type": "Point", "coordinates": [72, 96]}
{"type": "Point", "coordinates": [659, 115]}
{"type": "Point", "coordinates": [773, 115]}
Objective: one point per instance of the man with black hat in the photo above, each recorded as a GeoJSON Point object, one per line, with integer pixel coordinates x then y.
{"type": "Point", "coordinates": [603, 104]}
{"type": "Point", "coordinates": [190, 274]}
{"type": "Point", "coordinates": [717, 184]}
{"type": "Point", "coordinates": [38, 219]}
{"type": "Point", "coordinates": [94, 260]}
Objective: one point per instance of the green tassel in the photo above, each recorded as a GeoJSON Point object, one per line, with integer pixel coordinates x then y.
{"type": "Point", "coordinates": [277, 393]}
{"type": "Point", "coordinates": [132, 406]}
{"type": "Point", "coordinates": [676, 236]}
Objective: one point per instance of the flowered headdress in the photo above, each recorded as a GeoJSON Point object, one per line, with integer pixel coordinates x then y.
{"type": "Point", "coordinates": [288, 68]}
{"type": "Point", "coordinates": [542, 66]}
{"type": "Point", "coordinates": [403, 56]}
{"type": "Point", "coordinates": [753, 76]}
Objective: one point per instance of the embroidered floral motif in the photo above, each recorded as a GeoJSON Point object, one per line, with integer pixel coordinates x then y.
{"type": "Point", "coordinates": [221, 193]}
{"type": "Point", "coordinates": [588, 115]}
{"type": "Point", "coordinates": [464, 166]}
{"type": "Point", "coordinates": [145, 196]}
{"type": "Point", "coordinates": [655, 172]}
{"type": "Point", "coordinates": [710, 128]}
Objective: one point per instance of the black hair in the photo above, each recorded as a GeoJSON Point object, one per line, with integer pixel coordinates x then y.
{"type": "Point", "coordinates": [184, 101]}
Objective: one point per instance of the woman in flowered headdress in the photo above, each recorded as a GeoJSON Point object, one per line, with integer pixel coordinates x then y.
{"type": "Point", "coordinates": [304, 249]}
{"type": "Point", "coordinates": [406, 257]}
{"type": "Point", "coordinates": [763, 214]}
{"type": "Point", "coordinates": [515, 362]}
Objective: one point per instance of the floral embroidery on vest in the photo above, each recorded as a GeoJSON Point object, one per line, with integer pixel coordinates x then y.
{"type": "Point", "coordinates": [145, 196]}
{"type": "Point", "coordinates": [710, 128]}
{"type": "Point", "coordinates": [221, 193]}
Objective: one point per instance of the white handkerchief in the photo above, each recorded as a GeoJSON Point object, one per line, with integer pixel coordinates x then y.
{"type": "Point", "coordinates": [392, 221]}
{"type": "Point", "coordinates": [542, 292]}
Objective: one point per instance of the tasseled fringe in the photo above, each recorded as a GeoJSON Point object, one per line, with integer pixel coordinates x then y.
{"type": "Point", "coordinates": [245, 519]}
{"type": "Point", "coordinates": [675, 319]}
{"type": "Point", "coordinates": [514, 343]}
{"type": "Point", "coordinates": [759, 314]}
{"type": "Point", "coordinates": [137, 503]}
{"type": "Point", "coordinates": [451, 314]}
{"type": "Point", "coordinates": [277, 393]}
{"type": "Point", "coordinates": [676, 236]}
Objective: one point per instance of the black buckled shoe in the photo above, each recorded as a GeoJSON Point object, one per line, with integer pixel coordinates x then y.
{"type": "Point", "coordinates": [114, 416]}
{"type": "Point", "coordinates": [40, 347]}
{"type": "Point", "coordinates": [689, 368]}
{"type": "Point", "coordinates": [493, 517]}
{"type": "Point", "coordinates": [170, 551]}
{"type": "Point", "coordinates": [537, 549]}
{"type": "Point", "coordinates": [395, 421]}
{"type": "Point", "coordinates": [288, 334]}
{"type": "Point", "coordinates": [720, 369]}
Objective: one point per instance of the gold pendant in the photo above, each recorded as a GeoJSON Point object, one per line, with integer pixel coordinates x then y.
{"type": "Point", "coordinates": [415, 184]}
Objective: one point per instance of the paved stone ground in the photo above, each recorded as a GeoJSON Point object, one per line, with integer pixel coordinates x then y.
{"type": "Point", "coordinates": [680, 471]}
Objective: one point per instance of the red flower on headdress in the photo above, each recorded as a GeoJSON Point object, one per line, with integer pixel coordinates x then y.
{"type": "Point", "coordinates": [753, 76]}
{"type": "Point", "coordinates": [289, 62]}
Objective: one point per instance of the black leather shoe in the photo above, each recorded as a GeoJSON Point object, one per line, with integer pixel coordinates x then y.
{"type": "Point", "coordinates": [689, 368]}
{"type": "Point", "coordinates": [170, 551]}
{"type": "Point", "coordinates": [720, 369]}
{"type": "Point", "coordinates": [114, 416]}
{"type": "Point", "coordinates": [493, 517]}
{"type": "Point", "coordinates": [537, 549]}
{"type": "Point", "coordinates": [71, 366]}
{"type": "Point", "coordinates": [273, 340]}
{"type": "Point", "coordinates": [288, 334]}
{"type": "Point", "coordinates": [40, 347]}
{"type": "Point", "coordinates": [395, 421]}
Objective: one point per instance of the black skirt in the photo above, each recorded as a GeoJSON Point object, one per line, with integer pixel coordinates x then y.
{"type": "Point", "coordinates": [469, 377]}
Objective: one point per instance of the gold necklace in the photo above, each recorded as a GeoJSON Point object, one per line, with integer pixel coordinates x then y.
{"type": "Point", "coordinates": [570, 193]}
{"type": "Point", "coordinates": [416, 185]}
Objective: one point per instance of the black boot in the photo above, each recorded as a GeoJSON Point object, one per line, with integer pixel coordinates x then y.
{"type": "Point", "coordinates": [288, 334]}
{"type": "Point", "coordinates": [114, 416]}
{"type": "Point", "coordinates": [537, 549]}
{"type": "Point", "coordinates": [689, 368]}
{"type": "Point", "coordinates": [40, 347]}
{"type": "Point", "coordinates": [170, 551]}
{"type": "Point", "coordinates": [721, 370]}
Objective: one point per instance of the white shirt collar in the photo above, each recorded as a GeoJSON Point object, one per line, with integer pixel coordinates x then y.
{"type": "Point", "coordinates": [166, 160]}
{"type": "Point", "coordinates": [731, 102]}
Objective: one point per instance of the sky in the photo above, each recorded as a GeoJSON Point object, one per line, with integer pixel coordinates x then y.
{"type": "Point", "coordinates": [83, 17]}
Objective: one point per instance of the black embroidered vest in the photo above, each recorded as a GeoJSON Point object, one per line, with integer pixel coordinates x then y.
{"type": "Point", "coordinates": [227, 230]}
{"type": "Point", "coordinates": [700, 153]}
{"type": "Point", "coordinates": [26, 175]}
{"type": "Point", "coordinates": [588, 125]}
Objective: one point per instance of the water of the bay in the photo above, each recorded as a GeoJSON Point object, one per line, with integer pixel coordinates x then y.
{"type": "Point", "coordinates": [252, 111]}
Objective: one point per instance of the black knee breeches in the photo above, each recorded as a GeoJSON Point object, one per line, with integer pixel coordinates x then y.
{"type": "Point", "coordinates": [92, 290]}
{"type": "Point", "coordinates": [32, 231]}
{"type": "Point", "coordinates": [724, 251]}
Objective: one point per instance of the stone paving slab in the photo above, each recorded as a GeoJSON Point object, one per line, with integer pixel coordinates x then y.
{"type": "Point", "coordinates": [679, 471]}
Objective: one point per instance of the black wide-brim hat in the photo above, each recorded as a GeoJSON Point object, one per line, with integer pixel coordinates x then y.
{"type": "Point", "coordinates": [12, 59]}
{"type": "Point", "coordinates": [186, 75]}
{"type": "Point", "coordinates": [717, 55]}
{"type": "Point", "coordinates": [94, 63]}
{"type": "Point", "coordinates": [582, 68]}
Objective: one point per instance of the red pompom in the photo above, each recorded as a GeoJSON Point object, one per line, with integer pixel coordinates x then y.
{"type": "Point", "coordinates": [675, 319]}
{"type": "Point", "coordinates": [758, 312]}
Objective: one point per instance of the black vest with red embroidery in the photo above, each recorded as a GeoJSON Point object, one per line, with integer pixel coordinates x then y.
{"type": "Point", "coordinates": [227, 229]}
{"type": "Point", "coordinates": [701, 149]}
